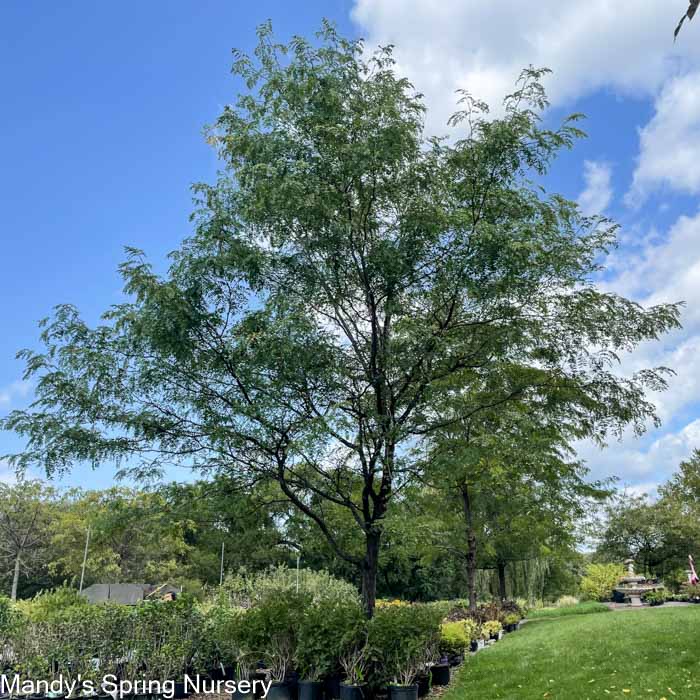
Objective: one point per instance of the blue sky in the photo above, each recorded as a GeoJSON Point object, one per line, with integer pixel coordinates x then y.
{"type": "Point", "coordinates": [101, 138]}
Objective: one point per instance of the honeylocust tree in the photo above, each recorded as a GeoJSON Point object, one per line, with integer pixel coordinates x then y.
{"type": "Point", "coordinates": [347, 272]}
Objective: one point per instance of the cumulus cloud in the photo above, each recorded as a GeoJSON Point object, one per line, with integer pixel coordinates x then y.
{"type": "Point", "coordinates": [598, 194]}
{"type": "Point", "coordinates": [670, 143]}
{"type": "Point", "coordinates": [482, 46]}
{"type": "Point", "coordinates": [643, 470]}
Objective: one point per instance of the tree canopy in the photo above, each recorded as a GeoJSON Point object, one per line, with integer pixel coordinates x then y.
{"type": "Point", "coordinates": [353, 287]}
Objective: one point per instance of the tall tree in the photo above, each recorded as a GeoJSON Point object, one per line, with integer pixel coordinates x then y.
{"type": "Point", "coordinates": [25, 519]}
{"type": "Point", "coordinates": [347, 270]}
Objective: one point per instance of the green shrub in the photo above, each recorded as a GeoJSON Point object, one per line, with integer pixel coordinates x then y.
{"type": "Point", "coordinates": [566, 601]}
{"type": "Point", "coordinates": [246, 590]}
{"type": "Point", "coordinates": [328, 629]}
{"type": "Point", "coordinates": [657, 597]}
{"type": "Point", "coordinates": [585, 608]}
{"type": "Point", "coordinates": [456, 637]}
{"type": "Point", "coordinates": [269, 630]}
{"type": "Point", "coordinates": [47, 604]}
{"type": "Point", "coordinates": [600, 580]}
{"type": "Point", "coordinates": [402, 640]}
{"type": "Point", "coordinates": [491, 629]}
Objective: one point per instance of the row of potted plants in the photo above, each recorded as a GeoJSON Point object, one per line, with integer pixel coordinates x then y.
{"type": "Point", "coordinates": [313, 641]}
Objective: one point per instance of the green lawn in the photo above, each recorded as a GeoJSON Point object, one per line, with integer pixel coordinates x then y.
{"type": "Point", "coordinates": [650, 653]}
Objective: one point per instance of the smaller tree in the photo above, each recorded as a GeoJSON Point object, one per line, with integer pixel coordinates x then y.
{"type": "Point", "coordinates": [24, 527]}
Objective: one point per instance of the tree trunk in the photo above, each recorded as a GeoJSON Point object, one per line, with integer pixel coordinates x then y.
{"type": "Point", "coordinates": [471, 547]}
{"type": "Point", "coordinates": [15, 578]}
{"type": "Point", "coordinates": [502, 594]}
{"type": "Point", "coordinates": [370, 569]}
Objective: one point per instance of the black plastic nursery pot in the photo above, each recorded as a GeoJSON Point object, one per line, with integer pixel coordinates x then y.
{"type": "Point", "coordinates": [423, 685]}
{"type": "Point", "coordinates": [440, 674]}
{"type": "Point", "coordinates": [456, 660]}
{"type": "Point", "coordinates": [353, 692]}
{"type": "Point", "coordinates": [310, 690]}
{"type": "Point", "coordinates": [403, 692]}
{"type": "Point", "coordinates": [180, 691]}
{"type": "Point", "coordinates": [238, 695]}
{"type": "Point", "coordinates": [280, 691]}
{"type": "Point", "coordinates": [331, 687]}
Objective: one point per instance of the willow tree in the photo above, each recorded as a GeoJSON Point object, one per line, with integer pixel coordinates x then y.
{"type": "Point", "coordinates": [346, 270]}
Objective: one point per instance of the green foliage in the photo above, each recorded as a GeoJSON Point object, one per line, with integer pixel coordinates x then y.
{"type": "Point", "coordinates": [349, 273]}
{"type": "Point", "coordinates": [270, 630]}
{"type": "Point", "coordinates": [655, 598]}
{"type": "Point", "coordinates": [456, 637]}
{"type": "Point", "coordinates": [247, 589]}
{"type": "Point", "coordinates": [491, 629]}
{"type": "Point", "coordinates": [566, 601]}
{"type": "Point", "coordinates": [402, 640]}
{"type": "Point", "coordinates": [49, 604]}
{"type": "Point", "coordinates": [586, 608]}
{"type": "Point", "coordinates": [328, 630]}
{"type": "Point", "coordinates": [600, 580]}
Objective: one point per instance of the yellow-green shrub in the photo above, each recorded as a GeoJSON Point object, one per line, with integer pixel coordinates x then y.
{"type": "Point", "coordinates": [600, 580]}
{"type": "Point", "coordinates": [456, 637]}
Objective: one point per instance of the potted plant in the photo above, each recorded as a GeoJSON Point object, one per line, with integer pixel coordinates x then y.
{"type": "Point", "coordinates": [491, 630]}
{"type": "Point", "coordinates": [401, 639]}
{"type": "Point", "coordinates": [511, 622]}
{"type": "Point", "coordinates": [354, 662]}
{"type": "Point", "coordinates": [270, 629]}
{"type": "Point", "coordinates": [328, 626]}
{"type": "Point", "coordinates": [655, 598]}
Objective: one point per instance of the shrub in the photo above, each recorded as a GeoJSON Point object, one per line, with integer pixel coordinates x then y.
{"type": "Point", "coordinates": [512, 619]}
{"type": "Point", "coordinates": [402, 640]}
{"type": "Point", "coordinates": [691, 592]}
{"type": "Point", "coordinates": [48, 604]}
{"type": "Point", "coordinates": [456, 637]}
{"type": "Point", "coordinates": [224, 640]}
{"type": "Point", "coordinates": [269, 630]}
{"type": "Point", "coordinates": [566, 601]}
{"type": "Point", "coordinates": [654, 598]}
{"type": "Point", "coordinates": [490, 629]}
{"type": "Point", "coordinates": [246, 590]}
{"type": "Point", "coordinates": [600, 580]}
{"type": "Point", "coordinates": [328, 630]}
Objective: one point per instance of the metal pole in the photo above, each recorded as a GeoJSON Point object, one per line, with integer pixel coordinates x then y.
{"type": "Point", "coordinates": [221, 577]}
{"type": "Point", "coordinates": [85, 555]}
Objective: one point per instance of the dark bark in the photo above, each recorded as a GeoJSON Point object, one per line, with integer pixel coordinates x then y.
{"type": "Point", "coordinates": [471, 546]}
{"type": "Point", "coordinates": [501, 566]}
{"type": "Point", "coordinates": [370, 569]}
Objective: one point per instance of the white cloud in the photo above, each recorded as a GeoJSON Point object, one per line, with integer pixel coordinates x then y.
{"type": "Point", "coordinates": [596, 198]}
{"type": "Point", "coordinates": [481, 46]}
{"type": "Point", "coordinates": [643, 470]}
{"type": "Point", "coordinates": [670, 143]}
{"type": "Point", "coordinates": [7, 475]}
{"type": "Point", "coordinates": [16, 390]}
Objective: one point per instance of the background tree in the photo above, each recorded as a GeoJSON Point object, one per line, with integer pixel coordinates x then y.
{"type": "Point", "coordinates": [25, 521]}
{"type": "Point", "coordinates": [348, 274]}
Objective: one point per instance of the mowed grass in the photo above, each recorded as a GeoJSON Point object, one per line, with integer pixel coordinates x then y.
{"type": "Point", "coordinates": [649, 653]}
{"type": "Point", "coordinates": [581, 609]}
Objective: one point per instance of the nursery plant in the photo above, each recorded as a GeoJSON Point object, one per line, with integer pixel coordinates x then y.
{"type": "Point", "coordinates": [270, 631]}
{"type": "Point", "coordinates": [402, 640]}
{"type": "Point", "coordinates": [328, 629]}
{"type": "Point", "coordinates": [491, 629]}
